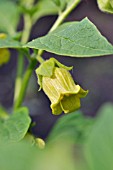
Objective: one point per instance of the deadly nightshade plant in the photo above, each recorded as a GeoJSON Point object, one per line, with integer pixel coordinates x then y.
{"type": "Point", "coordinates": [72, 39]}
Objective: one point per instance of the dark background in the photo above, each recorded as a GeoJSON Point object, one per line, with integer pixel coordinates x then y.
{"type": "Point", "coordinates": [94, 74]}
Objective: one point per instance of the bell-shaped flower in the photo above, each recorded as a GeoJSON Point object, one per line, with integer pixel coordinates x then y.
{"type": "Point", "coordinates": [60, 87]}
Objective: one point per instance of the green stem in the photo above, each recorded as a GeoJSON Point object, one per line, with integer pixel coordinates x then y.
{"type": "Point", "coordinates": [27, 28]}
{"type": "Point", "coordinates": [20, 62]}
{"type": "Point", "coordinates": [18, 81]}
{"type": "Point", "coordinates": [25, 81]}
{"type": "Point", "coordinates": [61, 18]}
{"type": "Point", "coordinates": [64, 14]}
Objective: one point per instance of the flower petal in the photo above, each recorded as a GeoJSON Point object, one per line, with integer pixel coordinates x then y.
{"type": "Point", "coordinates": [56, 108]}
{"type": "Point", "coordinates": [70, 103]}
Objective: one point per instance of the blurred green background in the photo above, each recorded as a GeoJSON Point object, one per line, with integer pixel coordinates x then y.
{"type": "Point", "coordinates": [94, 74]}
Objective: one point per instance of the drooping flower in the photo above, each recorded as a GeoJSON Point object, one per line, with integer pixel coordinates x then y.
{"type": "Point", "coordinates": [60, 87]}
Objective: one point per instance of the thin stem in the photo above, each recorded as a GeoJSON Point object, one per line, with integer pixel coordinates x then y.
{"type": "Point", "coordinates": [26, 79]}
{"type": "Point", "coordinates": [61, 18]}
{"type": "Point", "coordinates": [20, 62]}
{"type": "Point", "coordinates": [18, 81]}
{"type": "Point", "coordinates": [40, 59]}
{"type": "Point", "coordinates": [64, 14]}
{"type": "Point", "coordinates": [27, 28]}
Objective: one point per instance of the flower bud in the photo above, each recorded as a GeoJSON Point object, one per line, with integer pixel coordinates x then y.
{"type": "Point", "coordinates": [60, 88]}
{"type": "Point", "coordinates": [106, 5]}
{"type": "Point", "coordinates": [4, 52]}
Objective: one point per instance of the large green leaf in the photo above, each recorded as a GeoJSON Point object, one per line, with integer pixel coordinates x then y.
{"type": "Point", "coordinates": [15, 127]}
{"type": "Point", "coordinates": [77, 39]}
{"type": "Point", "coordinates": [9, 16]}
{"type": "Point", "coordinates": [9, 43]}
{"type": "Point", "coordinates": [99, 146]}
{"type": "Point", "coordinates": [72, 126]}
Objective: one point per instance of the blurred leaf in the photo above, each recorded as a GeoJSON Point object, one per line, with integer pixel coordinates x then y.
{"type": "Point", "coordinates": [43, 8]}
{"type": "Point", "coordinates": [57, 156]}
{"type": "Point", "coordinates": [62, 4]}
{"type": "Point", "coordinates": [8, 42]}
{"type": "Point", "coordinates": [21, 156]}
{"type": "Point", "coordinates": [79, 39]}
{"type": "Point", "coordinates": [17, 156]}
{"type": "Point", "coordinates": [15, 127]}
{"type": "Point", "coordinates": [111, 2]}
{"type": "Point", "coordinates": [73, 126]}
{"type": "Point", "coordinates": [106, 5]}
{"type": "Point", "coordinates": [99, 146]}
{"type": "Point", "coordinates": [9, 16]}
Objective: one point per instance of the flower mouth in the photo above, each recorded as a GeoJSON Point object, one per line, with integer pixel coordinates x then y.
{"type": "Point", "coordinates": [67, 102]}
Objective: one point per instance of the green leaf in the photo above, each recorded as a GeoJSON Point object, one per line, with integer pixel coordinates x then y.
{"type": "Point", "coordinates": [43, 8]}
{"type": "Point", "coordinates": [72, 126]}
{"type": "Point", "coordinates": [18, 156]}
{"type": "Point", "coordinates": [106, 5]}
{"type": "Point", "coordinates": [8, 42]}
{"type": "Point", "coordinates": [9, 16]}
{"type": "Point", "coordinates": [15, 127]}
{"type": "Point", "coordinates": [99, 146]}
{"type": "Point", "coordinates": [21, 156]}
{"type": "Point", "coordinates": [77, 39]}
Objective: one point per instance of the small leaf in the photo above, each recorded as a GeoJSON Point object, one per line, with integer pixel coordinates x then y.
{"type": "Point", "coordinates": [8, 42]}
{"type": "Point", "coordinates": [15, 127]}
{"type": "Point", "coordinates": [72, 126]}
{"type": "Point", "coordinates": [99, 146]}
{"type": "Point", "coordinates": [9, 16]}
{"type": "Point", "coordinates": [79, 39]}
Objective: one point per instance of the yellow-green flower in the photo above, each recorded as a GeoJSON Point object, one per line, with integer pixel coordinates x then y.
{"type": "Point", "coordinates": [4, 52]}
{"type": "Point", "coordinates": [60, 88]}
